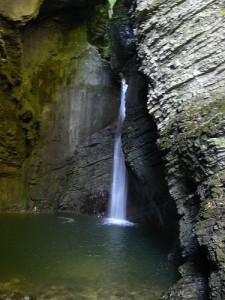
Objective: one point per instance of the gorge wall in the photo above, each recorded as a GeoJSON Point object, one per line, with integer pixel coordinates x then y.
{"type": "Point", "coordinates": [180, 47]}
{"type": "Point", "coordinates": [149, 198]}
{"type": "Point", "coordinates": [59, 104]}
{"type": "Point", "coordinates": [57, 89]}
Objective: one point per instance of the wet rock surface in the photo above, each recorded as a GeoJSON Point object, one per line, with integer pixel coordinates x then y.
{"type": "Point", "coordinates": [149, 199]}
{"type": "Point", "coordinates": [180, 46]}
{"type": "Point", "coordinates": [193, 287]}
{"type": "Point", "coordinates": [148, 189]}
{"type": "Point", "coordinates": [82, 184]}
{"type": "Point", "coordinates": [75, 115]}
{"type": "Point", "coordinates": [56, 94]}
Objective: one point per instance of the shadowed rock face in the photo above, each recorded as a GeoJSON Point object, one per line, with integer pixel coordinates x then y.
{"type": "Point", "coordinates": [56, 95]}
{"type": "Point", "coordinates": [180, 48]}
{"type": "Point", "coordinates": [149, 198]}
{"type": "Point", "coordinates": [22, 11]}
{"type": "Point", "coordinates": [74, 110]}
{"type": "Point", "coordinates": [50, 5]}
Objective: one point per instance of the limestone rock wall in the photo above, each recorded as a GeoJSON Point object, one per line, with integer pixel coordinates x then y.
{"type": "Point", "coordinates": [80, 95]}
{"type": "Point", "coordinates": [148, 188]}
{"type": "Point", "coordinates": [57, 95]}
{"type": "Point", "coordinates": [20, 11]}
{"type": "Point", "coordinates": [19, 124]}
{"type": "Point", "coordinates": [181, 52]}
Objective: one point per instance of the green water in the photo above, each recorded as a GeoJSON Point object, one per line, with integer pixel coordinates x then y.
{"type": "Point", "coordinates": [79, 257]}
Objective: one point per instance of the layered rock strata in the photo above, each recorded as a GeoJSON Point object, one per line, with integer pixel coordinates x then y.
{"type": "Point", "coordinates": [56, 93]}
{"type": "Point", "coordinates": [181, 52]}
{"type": "Point", "coordinates": [149, 198]}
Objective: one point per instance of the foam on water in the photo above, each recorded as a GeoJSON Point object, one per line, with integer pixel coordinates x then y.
{"type": "Point", "coordinates": [120, 222]}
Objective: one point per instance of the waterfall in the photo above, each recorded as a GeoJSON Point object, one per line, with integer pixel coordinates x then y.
{"type": "Point", "coordinates": [118, 199]}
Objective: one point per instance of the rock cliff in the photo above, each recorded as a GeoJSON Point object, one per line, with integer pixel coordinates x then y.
{"type": "Point", "coordinates": [180, 47]}
{"type": "Point", "coordinates": [57, 91]}
{"type": "Point", "coordinates": [56, 132]}
{"type": "Point", "coordinates": [149, 198]}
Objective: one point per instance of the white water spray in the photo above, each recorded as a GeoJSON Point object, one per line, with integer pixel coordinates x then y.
{"type": "Point", "coordinates": [118, 198]}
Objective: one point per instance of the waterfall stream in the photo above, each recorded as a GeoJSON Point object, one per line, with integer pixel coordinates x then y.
{"type": "Point", "coordinates": [118, 199]}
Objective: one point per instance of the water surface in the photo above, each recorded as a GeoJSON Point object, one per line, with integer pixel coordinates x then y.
{"type": "Point", "coordinates": [66, 256]}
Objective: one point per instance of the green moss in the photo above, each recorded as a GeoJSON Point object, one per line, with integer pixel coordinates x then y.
{"type": "Point", "coordinates": [26, 113]}
{"type": "Point", "coordinates": [165, 143]}
{"type": "Point", "coordinates": [221, 258]}
{"type": "Point", "coordinates": [111, 4]}
{"type": "Point", "coordinates": [197, 121]}
{"type": "Point", "coordinates": [219, 142]}
{"type": "Point", "coordinates": [98, 27]}
{"type": "Point", "coordinates": [190, 142]}
{"type": "Point", "coordinates": [12, 192]}
{"type": "Point", "coordinates": [206, 129]}
{"type": "Point", "coordinates": [222, 12]}
{"type": "Point", "coordinates": [52, 52]}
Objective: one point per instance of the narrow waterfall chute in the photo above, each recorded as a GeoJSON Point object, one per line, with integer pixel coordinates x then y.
{"type": "Point", "coordinates": [118, 199]}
